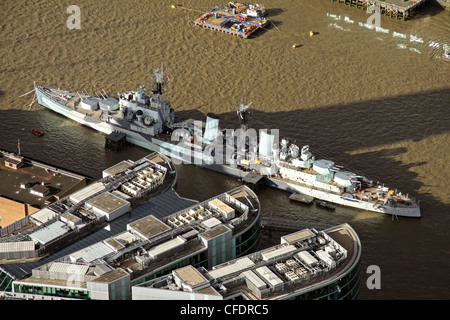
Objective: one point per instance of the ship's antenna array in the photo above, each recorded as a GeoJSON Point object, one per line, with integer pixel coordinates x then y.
{"type": "Point", "coordinates": [243, 114]}
{"type": "Point", "coordinates": [158, 83]}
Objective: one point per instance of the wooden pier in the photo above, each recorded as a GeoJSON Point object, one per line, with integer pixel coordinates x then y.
{"type": "Point", "coordinates": [400, 9]}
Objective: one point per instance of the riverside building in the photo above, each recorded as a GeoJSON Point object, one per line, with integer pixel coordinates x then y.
{"type": "Point", "coordinates": [306, 265]}
{"type": "Point", "coordinates": [202, 235]}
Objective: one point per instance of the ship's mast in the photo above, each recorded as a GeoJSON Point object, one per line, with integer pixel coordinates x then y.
{"type": "Point", "coordinates": [157, 85]}
{"type": "Point", "coordinates": [243, 115]}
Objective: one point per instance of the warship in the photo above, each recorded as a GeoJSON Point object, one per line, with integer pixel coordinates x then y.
{"type": "Point", "coordinates": [149, 122]}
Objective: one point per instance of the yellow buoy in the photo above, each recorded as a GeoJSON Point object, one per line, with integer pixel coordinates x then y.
{"type": "Point", "coordinates": [311, 33]}
{"type": "Point", "coordinates": [173, 6]}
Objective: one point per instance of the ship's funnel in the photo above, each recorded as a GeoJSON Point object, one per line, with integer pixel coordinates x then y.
{"type": "Point", "coordinates": [266, 144]}
{"type": "Point", "coordinates": [212, 127]}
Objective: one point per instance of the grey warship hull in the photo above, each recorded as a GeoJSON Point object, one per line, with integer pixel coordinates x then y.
{"type": "Point", "coordinates": [68, 104]}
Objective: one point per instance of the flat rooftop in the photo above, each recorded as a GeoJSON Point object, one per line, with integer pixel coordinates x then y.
{"type": "Point", "coordinates": [280, 271]}
{"type": "Point", "coordinates": [141, 243]}
{"type": "Point", "coordinates": [33, 174]}
{"type": "Point", "coordinates": [162, 206]}
{"type": "Point", "coordinates": [215, 232]}
{"type": "Point", "coordinates": [111, 276]}
{"type": "Point", "coordinates": [125, 164]}
{"type": "Point", "coordinates": [149, 226]}
{"type": "Point", "coordinates": [107, 202]}
{"type": "Point", "coordinates": [164, 202]}
{"type": "Point", "coordinates": [191, 276]}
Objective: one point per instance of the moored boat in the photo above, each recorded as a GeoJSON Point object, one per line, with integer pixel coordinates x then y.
{"type": "Point", "coordinates": [37, 132]}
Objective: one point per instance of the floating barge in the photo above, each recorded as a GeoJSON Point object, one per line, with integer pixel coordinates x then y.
{"type": "Point", "coordinates": [236, 19]}
{"type": "Point", "coordinates": [400, 9]}
{"type": "Point", "coordinates": [303, 198]}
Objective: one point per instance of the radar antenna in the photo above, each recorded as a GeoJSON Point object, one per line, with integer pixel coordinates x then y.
{"type": "Point", "coordinates": [158, 76]}
{"type": "Point", "coordinates": [243, 114]}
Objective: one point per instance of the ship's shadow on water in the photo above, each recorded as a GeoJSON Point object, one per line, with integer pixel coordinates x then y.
{"type": "Point", "coordinates": [365, 137]}
{"type": "Point", "coordinates": [339, 133]}
{"type": "Point", "coordinates": [431, 8]}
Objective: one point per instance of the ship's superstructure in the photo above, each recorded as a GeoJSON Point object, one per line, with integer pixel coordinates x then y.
{"type": "Point", "coordinates": [149, 122]}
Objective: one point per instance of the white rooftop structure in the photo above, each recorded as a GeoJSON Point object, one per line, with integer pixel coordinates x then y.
{"type": "Point", "coordinates": [211, 223]}
{"type": "Point", "coordinates": [50, 232]}
{"type": "Point", "coordinates": [108, 205]}
{"type": "Point", "coordinates": [254, 279]}
{"type": "Point", "coordinates": [325, 258]}
{"type": "Point", "coordinates": [166, 246]}
{"type": "Point", "coordinates": [303, 263]}
{"type": "Point", "coordinates": [269, 276]}
{"type": "Point", "coordinates": [91, 253]}
{"type": "Point", "coordinates": [275, 254]}
{"type": "Point", "coordinates": [87, 192]}
{"type": "Point", "coordinates": [307, 258]}
{"type": "Point", "coordinates": [16, 246]}
{"type": "Point", "coordinates": [236, 266]}
{"type": "Point", "coordinates": [68, 268]}
{"type": "Point", "coordinates": [43, 215]}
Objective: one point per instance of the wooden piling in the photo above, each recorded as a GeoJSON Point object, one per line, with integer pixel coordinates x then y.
{"type": "Point", "coordinates": [398, 9]}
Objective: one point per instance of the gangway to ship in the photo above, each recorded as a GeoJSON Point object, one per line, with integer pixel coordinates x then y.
{"type": "Point", "coordinates": [253, 179]}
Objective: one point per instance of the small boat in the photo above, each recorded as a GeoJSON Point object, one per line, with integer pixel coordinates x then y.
{"type": "Point", "coordinates": [324, 204]}
{"type": "Point", "coordinates": [37, 132]}
{"type": "Point", "coordinates": [301, 198]}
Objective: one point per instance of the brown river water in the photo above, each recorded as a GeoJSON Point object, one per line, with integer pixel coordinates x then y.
{"type": "Point", "coordinates": [375, 101]}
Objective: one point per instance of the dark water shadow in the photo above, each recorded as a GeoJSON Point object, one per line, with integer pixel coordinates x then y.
{"type": "Point", "coordinates": [430, 8]}
{"type": "Point", "coordinates": [273, 12]}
